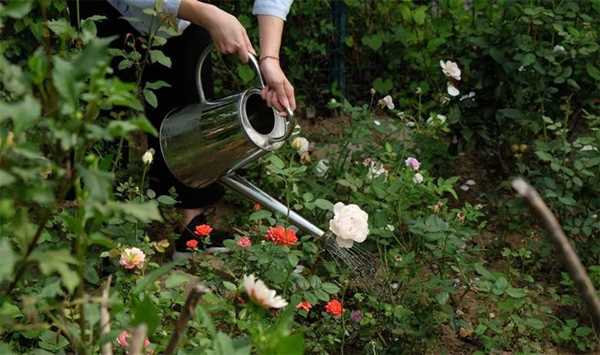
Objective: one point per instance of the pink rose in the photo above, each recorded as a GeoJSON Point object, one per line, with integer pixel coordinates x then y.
{"type": "Point", "coordinates": [244, 242]}
{"type": "Point", "coordinates": [132, 258]}
{"type": "Point", "coordinates": [122, 339]}
{"type": "Point", "coordinates": [413, 163]}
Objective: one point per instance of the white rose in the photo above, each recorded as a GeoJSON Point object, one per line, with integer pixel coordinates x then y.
{"type": "Point", "coordinates": [452, 90]}
{"type": "Point", "coordinates": [301, 145]}
{"type": "Point", "coordinates": [260, 294]}
{"type": "Point", "coordinates": [387, 102]}
{"type": "Point", "coordinates": [450, 69]}
{"type": "Point", "coordinates": [559, 49]}
{"type": "Point", "coordinates": [376, 169]}
{"type": "Point", "coordinates": [349, 224]}
{"type": "Point", "coordinates": [418, 178]}
{"type": "Point", "coordinates": [148, 156]}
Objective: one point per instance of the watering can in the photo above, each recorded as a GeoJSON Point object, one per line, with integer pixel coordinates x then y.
{"type": "Point", "coordinates": [209, 141]}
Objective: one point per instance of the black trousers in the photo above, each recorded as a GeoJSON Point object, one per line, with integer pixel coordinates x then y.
{"type": "Point", "coordinates": [184, 51]}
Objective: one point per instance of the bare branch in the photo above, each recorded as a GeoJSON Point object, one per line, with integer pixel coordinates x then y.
{"type": "Point", "coordinates": [105, 317]}
{"type": "Point", "coordinates": [558, 237]}
{"type": "Point", "coordinates": [137, 339]}
{"type": "Point", "coordinates": [190, 305]}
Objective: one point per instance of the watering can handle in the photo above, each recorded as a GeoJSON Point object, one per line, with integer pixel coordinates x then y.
{"type": "Point", "coordinates": [252, 61]}
{"type": "Point", "coordinates": [289, 123]}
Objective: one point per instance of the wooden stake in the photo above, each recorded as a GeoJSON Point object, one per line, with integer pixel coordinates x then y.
{"type": "Point", "coordinates": [558, 237]}
{"type": "Point", "coordinates": [190, 305]}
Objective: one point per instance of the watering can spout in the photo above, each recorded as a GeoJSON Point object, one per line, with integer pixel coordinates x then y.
{"type": "Point", "coordinates": [246, 188]}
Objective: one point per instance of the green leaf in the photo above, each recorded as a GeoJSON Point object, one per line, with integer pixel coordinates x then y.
{"type": "Point", "coordinates": [166, 200]}
{"type": "Point", "coordinates": [58, 261]}
{"type": "Point", "coordinates": [97, 182]}
{"type": "Point", "coordinates": [150, 98]}
{"type": "Point", "coordinates": [543, 156]}
{"type": "Point", "coordinates": [245, 73]}
{"type": "Point", "coordinates": [144, 125]}
{"type": "Point", "coordinates": [145, 311]}
{"type": "Point", "coordinates": [535, 323]}
{"type": "Point", "coordinates": [145, 211]}
{"type": "Point", "coordinates": [154, 275]}
{"type": "Point", "coordinates": [593, 71]}
{"type": "Point", "coordinates": [324, 204]}
{"type": "Point", "coordinates": [7, 255]}
{"type": "Point", "coordinates": [330, 288]}
{"type": "Point", "coordinates": [52, 341]}
{"type": "Point", "coordinates": [16, 8]}
{"type": "Point", "coordinates": [24, 113]}
{"type": "Point", "coordinates": [373, 41]}
{"type": "Point", "coordinates": [442, 297]}
{"type": "Point", "coordinates": [176, 279]}
{"type": "Point", "coordinates": [419, 15]}
{"type": "Point", "coordinates": [383, 86]}
{"type": "Point", "coordinates": [583, 331]}
{"type": "Point", "coordinates": [290, 345]}
{"type": "Point", "coordinates": [6, 178]}
{"type": "Point", "coordinates": [500, 285]}
{"type": "Point", "coordinates": [230, 286]}
{"type": "Point", "coordinates": [259, 215]}
{"type": "Point", "coordinates": [321, 295]}
{"type": "Point", "coordinates": [154, 85]}
{"type": "Point", "coordinates": [158, 56]}
{"type": "Point", "coordinates": [61, 28]}
{"type": "Point", "coordinates": [516, 292]}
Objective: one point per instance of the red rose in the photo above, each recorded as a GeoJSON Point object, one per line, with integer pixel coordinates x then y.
{"type": "Point", "coordinates": [282, 236]}
{"type": "Point", "coordinates": [203, 230]}
{"type": "Point", "coordinates": [192, 244]}
{"type": "Point", "coordinates": [305, 305]}
{"type": "Point", "coordinates": [334, 307]}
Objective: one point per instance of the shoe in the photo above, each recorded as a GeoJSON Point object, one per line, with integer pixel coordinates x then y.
{"type": "Point", "coordinates": [212, 244]}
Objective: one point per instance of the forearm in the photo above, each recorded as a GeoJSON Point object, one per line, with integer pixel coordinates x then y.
{"type": "Point", "coordinates": [195, 11]}
{"type": "Point", "coordinates": [270, 32]}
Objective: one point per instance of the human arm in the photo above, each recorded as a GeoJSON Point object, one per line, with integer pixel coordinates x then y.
{"type": "Point", "coordinates": [271, 15]}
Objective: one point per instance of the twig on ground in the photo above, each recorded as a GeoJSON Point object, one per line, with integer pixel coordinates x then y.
{"type": "Point", "coordinates": [137, 339]}
{"type": "Point", "coordinates": [105, 317]}
{"type": "Point", "coordinates": [558, 237]}
{"type": "Point", "coordinates": [190, 305]}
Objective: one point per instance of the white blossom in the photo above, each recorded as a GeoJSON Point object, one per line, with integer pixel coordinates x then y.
{"type": "Point", "coordinates": [301, 145]}
{"type": "Point", "coordinates": [418, 178]}
{"type": "Point", "coordinates": [260, 294]}
{"type": "Point", "coordinates": [559, 49]}
{"type": "Point", "coordinates": [148, 156]}
{"type": "Point", "coordinates": [376, 169]}
{"type": "Point", "coordinates": [452, 90]}
{"type": "Point", "coordinates": [349, 224]}
{"type": "Point", "coordinates": [388, 102]}
{"type": "Point", "coordinates": [470, 95]}
{"type": "Point", "coordinates": [450, 69]}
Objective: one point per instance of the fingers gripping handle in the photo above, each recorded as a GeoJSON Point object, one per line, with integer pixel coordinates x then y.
{"type": "Point", "coordinates": [199, 67]}
{"type": "Point", "coordinates": [253, 62]}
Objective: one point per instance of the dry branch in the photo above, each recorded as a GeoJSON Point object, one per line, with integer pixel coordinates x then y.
{"type": "Point", "coordinates": [105, 317]}
{"type": "Point", "coordinates": [137, 339]}
{"type": "Point", "coordinates": [190, 305]}
{"type": "Point", "coordinates": [558, 237]}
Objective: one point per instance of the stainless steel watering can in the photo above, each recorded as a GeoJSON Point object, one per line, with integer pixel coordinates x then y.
{"type": "Point", "coordinates": [207, 142]}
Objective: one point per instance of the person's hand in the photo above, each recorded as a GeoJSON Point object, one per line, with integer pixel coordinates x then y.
{"type": "Point", "coordinates": [227, 33]}
{"type": "Point", "coordinates": [278, 91]}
